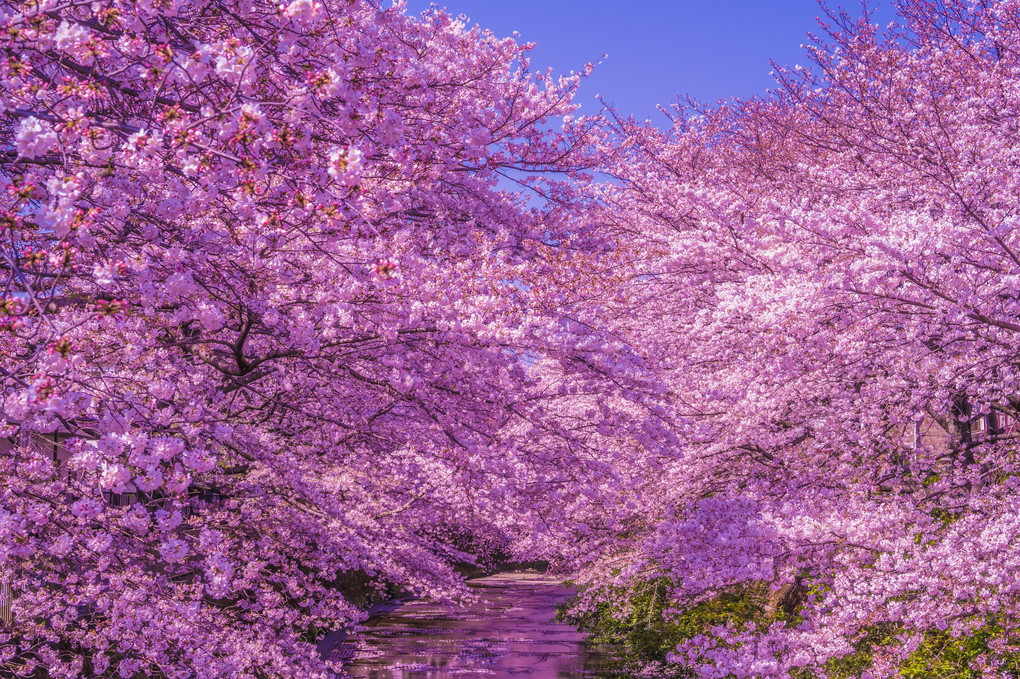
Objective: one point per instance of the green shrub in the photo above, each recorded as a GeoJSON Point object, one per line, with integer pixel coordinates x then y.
{"type": "Point", "coordinates": [638, 622]}
{"type": "Point", "coordinates": [639, 625]}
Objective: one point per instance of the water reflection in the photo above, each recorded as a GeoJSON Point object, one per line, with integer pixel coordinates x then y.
{"type": "Point", "coordinates": [510, 632]}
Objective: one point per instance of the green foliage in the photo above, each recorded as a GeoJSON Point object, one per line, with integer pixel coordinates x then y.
{"type": "Point", "coordinates": [640, 624]}
{"type": "Point", "coordinates": [939, 654]}
{"type": "Point", "coordinates": [851, 666]}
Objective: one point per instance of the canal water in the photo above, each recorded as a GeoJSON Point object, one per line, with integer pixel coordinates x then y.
{"type": "Point", "coordinates": [508, 632]}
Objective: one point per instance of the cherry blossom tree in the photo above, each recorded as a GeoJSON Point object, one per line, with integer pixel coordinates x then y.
{"type": "Point", "coordinates": [826, 282]}
{"type": "Point", "coordinates": [267, 318]}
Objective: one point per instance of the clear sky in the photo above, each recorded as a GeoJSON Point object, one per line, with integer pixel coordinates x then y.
{"type": "Point", "coordinates": [656, 49]}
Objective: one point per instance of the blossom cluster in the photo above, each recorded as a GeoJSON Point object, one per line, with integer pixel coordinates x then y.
{"type": "Point", "coordinates": [826, 281]}
{"type": "Point", "coordinates": [261, 324]}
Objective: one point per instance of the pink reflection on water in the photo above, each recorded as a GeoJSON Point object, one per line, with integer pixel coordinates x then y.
{"type": "Point", "coordinates": [509, 632]}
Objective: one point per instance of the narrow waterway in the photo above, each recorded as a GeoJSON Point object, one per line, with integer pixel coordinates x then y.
{"type": "Point", "coordinates": [509, 632]}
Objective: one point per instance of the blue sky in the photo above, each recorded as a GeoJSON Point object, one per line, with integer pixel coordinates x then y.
{"type": "Point", "coordinates": [656, 49]}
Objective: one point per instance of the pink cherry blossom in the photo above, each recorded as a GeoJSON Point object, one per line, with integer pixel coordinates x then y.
{"type": "Point", "coordinates": [824, 283]}
{"type": "Point", "coordinates": [268, 321]}
{"type": "Point", "coordinates": [34, 137]}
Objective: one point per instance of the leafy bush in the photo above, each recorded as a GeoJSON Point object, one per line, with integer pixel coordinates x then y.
{"type": "Point", "coordinates": [640, 623]}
